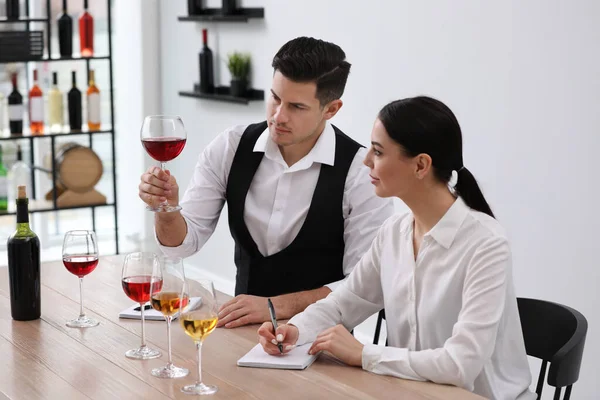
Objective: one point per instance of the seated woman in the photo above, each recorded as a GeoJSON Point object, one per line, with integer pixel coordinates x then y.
{"type": "Point", "coordinates": [442, 272]}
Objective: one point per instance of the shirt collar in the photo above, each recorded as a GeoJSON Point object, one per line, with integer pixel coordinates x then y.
{"type": "Point", "coordinates": [322, 152]}
{"type": "Point", "coordinates": [446, 229]}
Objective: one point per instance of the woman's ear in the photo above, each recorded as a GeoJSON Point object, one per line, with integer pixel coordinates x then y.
{"type": "Point", "coordinates": [423, 164]}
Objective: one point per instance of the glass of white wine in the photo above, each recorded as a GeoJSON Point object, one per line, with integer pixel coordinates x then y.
{"type": "Point", "coordinates": [198, 319]}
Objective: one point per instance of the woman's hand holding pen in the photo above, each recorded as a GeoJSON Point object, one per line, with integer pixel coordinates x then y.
{"type": "Point", "coordinates": [286, 334]}
{"type": "Point", "coordinates": [340, 343]}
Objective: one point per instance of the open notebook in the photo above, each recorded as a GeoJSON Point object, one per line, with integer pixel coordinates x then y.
{"type": "Point", "coordinates": [150, 314]}
{"type": "Point", "coordinates": [298, 358]}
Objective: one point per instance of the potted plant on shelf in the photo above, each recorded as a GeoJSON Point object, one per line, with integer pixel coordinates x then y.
{"type": "Point", "coordinates": [239, 67]}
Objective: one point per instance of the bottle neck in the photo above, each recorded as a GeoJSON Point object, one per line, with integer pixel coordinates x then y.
{"type": "Point", "coordinates": [85, 5]}
{"type": "Point", "coordinates": [65, 6]}
{"type": "Point", "coordinates": [22, 214]}
{"type": "Point", "coordinates": [74, 78]}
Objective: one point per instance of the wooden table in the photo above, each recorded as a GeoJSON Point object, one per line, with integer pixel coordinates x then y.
{"type": "Point", "coordinates": [44, 359]}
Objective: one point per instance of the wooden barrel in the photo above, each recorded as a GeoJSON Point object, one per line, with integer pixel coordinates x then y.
{"type": "Point", "coordinates": [78, 168]}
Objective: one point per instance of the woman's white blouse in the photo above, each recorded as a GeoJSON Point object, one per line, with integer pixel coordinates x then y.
{"type": "Point", "coordinates": [451, 315]}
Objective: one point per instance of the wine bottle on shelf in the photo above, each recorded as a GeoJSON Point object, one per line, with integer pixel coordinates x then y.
{"type": "Point", "coordinates": [55, 106]}
{"type": "Point", "coordinates": [36, 107]}
{"type": "Point", "coordinates": [86, 32]}
{"type": "Point", "coordinates": [3, 184]}
{"type": "Point", "coordinates": [93, 104]}
{"type": "Point", "coordinates": [18, 175]}
{"type": "Point", "coordinates": [15, 109]}
{"type": "Point", "coordinates": [12, 9]}
{"type": "Point", "coordinates": [24, 265]}
{"type": "Point", "coordinates": [207, 81]}
{"type": "Point", "coordinates": [194, 7]}
{"type": "Point", "coordinates": [65, 33]}
{"type": "Point", "coordinates": [74, 100]}
{"type": "Point", "coordinates": [229, 7]}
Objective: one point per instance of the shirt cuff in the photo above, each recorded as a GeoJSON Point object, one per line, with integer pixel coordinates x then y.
{"type": "Point", "coordinates": [391, 361]}
{"type": "Point", "coordinates": [304, 335]}
{"type": "Point", "coordinates": [185, 249]}
{"type": "Point", "coordinates": [333, 285]}
{"type": "Point", "coordinates": [371, 355]}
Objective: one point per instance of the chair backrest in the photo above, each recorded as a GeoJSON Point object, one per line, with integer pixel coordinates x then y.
{"type": "Point", "coordinates": [555, 334]}
{"type": "Point", "coordinates": [380, 318]}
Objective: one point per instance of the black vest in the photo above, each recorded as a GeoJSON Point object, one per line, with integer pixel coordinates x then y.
{"type": "Point", "coordinates": [315, 256]}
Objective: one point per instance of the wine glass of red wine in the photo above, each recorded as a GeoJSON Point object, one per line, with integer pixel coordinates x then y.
{"type": "Point", "coordinates": [140, 272]}
{"type": "Point", "coordinates": [164, 138]}
{"type": "Point", "coordinates": [80, 256]}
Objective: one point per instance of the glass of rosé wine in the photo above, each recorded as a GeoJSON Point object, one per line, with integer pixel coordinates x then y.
{"type": "Point", "coordinates": [163, 138]}
{"type": "Point", "coordinates": [80, 257]}
{"type": "Point", "coordinates": [140, 272]}
{"type": "Point", "coordinates": [168, 300]}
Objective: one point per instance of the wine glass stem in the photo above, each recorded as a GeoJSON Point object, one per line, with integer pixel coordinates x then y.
{"type": "Point", "coordinates": [81, 314]}
{"type": "Point", "coordinates": [199, 347]}
{"type": "Point", "coordinates": [143, 331]}
{"type": "Point", "coordinates": [169, 339]}
{"type": "Point", "coordinates": [163, 166]}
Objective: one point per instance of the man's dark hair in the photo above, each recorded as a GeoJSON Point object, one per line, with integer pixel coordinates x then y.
{"type": "Point", "coordinates": [307, 59]}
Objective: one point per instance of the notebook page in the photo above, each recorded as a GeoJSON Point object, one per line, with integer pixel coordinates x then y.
{"type": "Point", "coordinates": [298, 358]}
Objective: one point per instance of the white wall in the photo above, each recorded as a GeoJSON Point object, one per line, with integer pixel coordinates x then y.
{"type": "Point", "coordinates": [522, 78]}
{"type": "Point", "coordinates": [137, 94]}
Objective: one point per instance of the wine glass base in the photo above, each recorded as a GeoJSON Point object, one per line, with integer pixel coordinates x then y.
{"type": "Point", "coordinates": [169, 372]}
{"type": "Point", "coordinates": [143, 353]}
{"type": "Point", "coordinates": [164, 208]}
{"type": "Point", "coordinates": [82, 322]}
{"type": "Point", "coordinates": [199, 388]}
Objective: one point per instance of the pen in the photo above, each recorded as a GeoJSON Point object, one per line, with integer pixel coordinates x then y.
{"type": "Point", "coordinates": [274, 321]}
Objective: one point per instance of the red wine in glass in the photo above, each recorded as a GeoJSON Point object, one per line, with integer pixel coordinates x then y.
{"type": "Point", "coordinates": [80, 256]}
{"type": "Point", "coordinates": [164, 149]}
{"type": "Point", "coordinates": [141, 276]}
{"type": "Point", "coordinates": [137, 288]}
{"type": "Point", "coordinates": [163, 137]}
{"type": "Point", "coordinates": [80, 265]}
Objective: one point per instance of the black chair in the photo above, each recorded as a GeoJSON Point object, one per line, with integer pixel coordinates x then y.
{"type": "Point", "coordinates": [380, 319]}
{"type": "Point", "coordinates": [555, 334]}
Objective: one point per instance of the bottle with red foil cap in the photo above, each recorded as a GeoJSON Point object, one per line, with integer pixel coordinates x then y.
{"type": "Point", "coordinates": [207, 82]}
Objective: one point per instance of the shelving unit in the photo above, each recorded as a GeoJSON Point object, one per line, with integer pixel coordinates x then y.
{"type": "Point", "coordinates": [58, 58]}
{"type": "Point", "coordinates": [222, 93]}
{"type": "Point", "coordinates": [216, 15]}
{"type": "Point", "coordinates": [39, 206]}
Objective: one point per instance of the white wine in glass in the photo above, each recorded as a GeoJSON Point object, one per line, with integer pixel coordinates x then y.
{"type": "Point", "coordinates": [199, 319]}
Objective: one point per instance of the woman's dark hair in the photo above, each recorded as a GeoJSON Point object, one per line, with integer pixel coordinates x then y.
{"type": "Point", "coordinates": [307, 59]}
{"type": "Point", "coordinates": [426, 125]}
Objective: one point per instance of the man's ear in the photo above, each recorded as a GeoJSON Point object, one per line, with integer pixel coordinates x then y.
{"type": "Point", "coordinates": [332, 108]}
